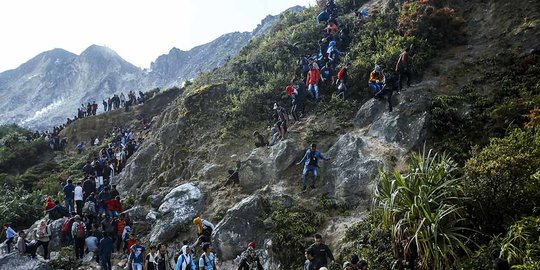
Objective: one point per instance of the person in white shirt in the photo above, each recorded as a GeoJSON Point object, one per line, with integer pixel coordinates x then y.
{"type": "Point", "coordinates": [79, 200]}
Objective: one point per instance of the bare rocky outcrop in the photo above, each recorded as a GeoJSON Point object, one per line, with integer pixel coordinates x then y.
{"type": "Point", "coordinates": [14, 261]}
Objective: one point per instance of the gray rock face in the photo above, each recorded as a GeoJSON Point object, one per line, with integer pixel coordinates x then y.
{"type": "Point", "coordinates": [138, 169]}
{"type": "Point", "coordinates": [263, 166]}
{"type": "Point", "coordinates": [177, 210]}
{"type": "Point", "coordinates": [380, 139]}
{"type": "Point", "coordinates": [13, 261]}
{"type": "Point", "coordinates": [239, 227]}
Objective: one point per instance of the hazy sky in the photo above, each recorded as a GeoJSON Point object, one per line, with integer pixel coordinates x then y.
{"type": "Point", "coordinates": [138, 30]}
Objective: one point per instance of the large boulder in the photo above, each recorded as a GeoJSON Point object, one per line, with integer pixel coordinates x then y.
{"type": "Point", "coordinates": [56, 228]}
{"type": "Point", "coordinates": [176, 211]}
{"type": "Point", "coordinates": [14, 261]}
{"type": "Point", "coordinates": [263, 166]}
{"type": "Point", "coordinates": [240, 226]}
{"type": "Point", "coordinates": [140, 167]}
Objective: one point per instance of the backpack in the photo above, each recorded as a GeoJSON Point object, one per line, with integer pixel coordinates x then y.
{"type": "Point", "coordinates": [206, 263]}
{"type": "Point", "coordinates": [66, 226]}
{"type": "Point", "coordinates": [207, 231]}
{"type": "Point", "coordinates": [312, 158]}
{"type": "Point", "coordinates": [80, 231]}
{"type": "Point", "coordinates": [89, 207]}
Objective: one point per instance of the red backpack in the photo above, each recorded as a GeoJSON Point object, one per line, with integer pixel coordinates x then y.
{"type": "Point", "coordinates": [80, 231]}
{"type": "Point", "coordinates": [66, 226]}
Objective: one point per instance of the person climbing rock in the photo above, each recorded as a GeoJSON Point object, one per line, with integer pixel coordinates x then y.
{"type": "Point", "coordinates": [10, 236]}
{"type": "Point", "coordinates": [293, 93]}
{"type": "Point", "coordinates": [251, 261]}
{"type": "Point", "coordinates": [24, 246]}
{"type": "Point", "coordinates": [282, 120]}
{"type": "Point", "coordinates": [275, 136]}
{"type": "Point", "coordinates": [43, 237]}
{"type": "Point", "coordinates": [207, 261]}
{"type": "Point", "coordinates": [321, 251]}
{"type": "Point", "coordinates": [402, 68]}
{"type": "Point", "coordinates": [311, 164]}
{"type": "Point", "coordinates": [312, 81]}
{"type": "Point", "coordinates": [390, 85]}
{"type": "Point", "coordinates": [342, 79]}
{"type": "Point", "coordinates": [185, 260]}
{"type": "Point", "coordinates": [204, 230]}
{"type": "Point", "coordinates": [260, 140]}
{"type": "Point", "coordinates": [376, 80]}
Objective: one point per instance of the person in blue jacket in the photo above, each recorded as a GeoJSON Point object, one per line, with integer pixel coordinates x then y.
{"type": "Point", "coordinates": [323, 17]}
{"type": "Point", "coordinates": [311, 164]}
{"type": "Point", "coordinates": [185, 260]}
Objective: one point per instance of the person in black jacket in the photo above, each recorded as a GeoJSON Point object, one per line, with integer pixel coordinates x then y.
{"type": "Point", "coordinates": [321, 251]}
{"type": "Point", "coordinates": [251, 261]}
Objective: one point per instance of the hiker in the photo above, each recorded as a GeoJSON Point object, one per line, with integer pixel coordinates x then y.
{"type": "Point", "coordinates": [208, 259]}
{"type": "Point", "coordinates": [66, 236]}
{"type": "Point", "coordinates": [311, 263]}
{"type": "Point", "coordinates": [282, 120]}
{"type": "Point", "coordinates": [137, 255]}
{"type": "Point", "coordinates": [304, 65]}
{"type": "Point", "coordinates": [275, 136]}
{"type": "Point", "coordinates": [92, 244]}
{"type": "Point", "coordinates": [321, 251]}
{"type": "Point", "coordinates": [323, 17]}
{"type": "Point", "coordinates": [402, 68]}
{"type": "Point", "coordinates": [164, 258]}
{"type": "Point", "coordinates": [332, 28]}
{"type": "Point", "coordinates": [43, 236]}
{"type": "Point", "coordinates": [261, 141]}
{"type": "Point", "coordinates": [89, 187]}
{"type": "Point", "coordinates": [347, 266]}
{"type": "Point", "coordinates": [78, 231]}
{"type": "Point", "coordinates": [326, 72]}
{"type": "Point", "coordinates": [343, 77]}
{"type": "Point", "coordinates": [50, 207]}
{"type": "Point", "coordinates": [185, 260]}
{"type": "Point", "coordinates": [105, 252]}
{"type": "Point", "coordinates": [358, 264]}
{"type": "Point", "coordinates": [234, 178]}
{"type": "Point", "coordinates": [105, 105]}
{"type": "Point", "coordinates": [150, 262]}
{"type": "Point", "coordinates": [10, 236]}
{"type": "Point", "coordinates": [204, 230]}
{"type": "Point", "coordinates": [376, 80]}
{"type": "Point", "coordinates": [88, 169]}
{"type": "Point", "coordinates": [69, 195]}
{"type": "Point", "coordinates": [80, 148]}
{"type": "Point", "coordinates": [311, 164]}
{"type": "Point", "coordinates": [293, 93]}
{"type": "Point", "coordinates": [108, 226]}
{"type": "Point", "coordinates": [333, 55]}
{"type": "Point", "coordinates": [24, 246]}
{"type": "Point", "coordinates": [251, 261]}
{"type": "Point", "coordinates": [390, 85]}
{"type": "Point", "coordinates": [79, 198]}
{"type": "Point", "coordinates": [120, 225]}
{"type": "Point", "coordinates": [312, 81]}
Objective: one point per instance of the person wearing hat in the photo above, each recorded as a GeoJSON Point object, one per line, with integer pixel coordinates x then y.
{"type": "Point", "coordinates": [251, 261]}
{"type": "Point", "coordinates": [311, 164]}
{"type": "Point", "coordinates": [376, 80]}
{"type": "Point", "coordinates": [282, 120]}
{"type": "Point", "coordinates": [204, 230]}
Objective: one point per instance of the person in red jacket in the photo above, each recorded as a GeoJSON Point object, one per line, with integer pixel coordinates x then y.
{"type": "Point", "coordinates": [312, 81]}
{"type": "Point", "coordinates": [49, 205]}
{"type": "Point", "coordinates": [117, 206]}
{"type": "Point", "coordinates": [343, 77]}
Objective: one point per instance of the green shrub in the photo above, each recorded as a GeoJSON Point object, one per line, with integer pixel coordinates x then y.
{"type": "Point", "coordinates": [501, 179]}
{"type": "Point", "coordinates": [294, 226]}
{"type": "Point", "coordinates": [521, 245]}
{"type": "Point", "coordinates": [424, 211]}
{"type": "Point", "coordinates": [19, 207]}
{"type": "Point", "coordinates": [65, 259]}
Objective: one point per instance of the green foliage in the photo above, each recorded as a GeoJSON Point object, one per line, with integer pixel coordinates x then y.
{"type": "Point", "coordinates": [293, 226]}
{"type": "Point", "coordinates": [501, 179]}
{"type": "Point", "coordinates": [371, 242]}
{"type": "Point", "coordinates": [423, 209]}
{"type": "Point", "coordinates": [65, 259]}
{"type": "Point", "coordinates": [521, 245]}
{"type": "Point", "coordinates": [19, 207]}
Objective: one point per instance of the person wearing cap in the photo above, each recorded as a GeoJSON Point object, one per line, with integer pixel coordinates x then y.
{"type": "Point", "coordinates": [311, 164]}
{"type": "Point", "coordinates": [376, 80]}
{"type": "Point", "coordinates": [251, 261]}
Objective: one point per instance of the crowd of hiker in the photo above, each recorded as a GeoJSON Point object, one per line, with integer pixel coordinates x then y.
{"type": "Point", "coordinates": [112, 103]}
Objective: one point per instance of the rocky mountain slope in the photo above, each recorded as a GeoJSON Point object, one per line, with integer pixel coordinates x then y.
{"type": "Point", "coordinates": [49, 88]}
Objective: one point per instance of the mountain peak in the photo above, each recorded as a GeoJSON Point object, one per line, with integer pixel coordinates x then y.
{"type": "Point", "coordinates": [97, 50]}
